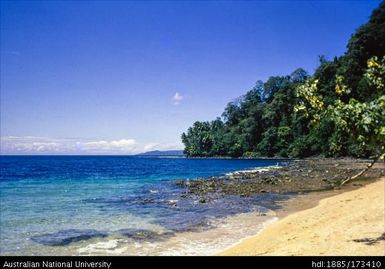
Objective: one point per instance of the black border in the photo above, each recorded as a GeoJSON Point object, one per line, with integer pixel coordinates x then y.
{"type": "Point", "coordinates": [235, 262]}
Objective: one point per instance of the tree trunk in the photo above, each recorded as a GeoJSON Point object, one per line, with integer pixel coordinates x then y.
{"type": "Point", "coordinates": [363, 171]}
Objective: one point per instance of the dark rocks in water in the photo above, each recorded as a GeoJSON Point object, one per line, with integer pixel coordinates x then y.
{"type": "Point", "coordinates": [198, 224]}
{"type": "Point", "coordinates": [181, 183]}
{"type": "Point", "coordinates": [145, 235]}
{"type": "Point", "coordinates": [298, 176]}
{"type": "Point", "coordinates": [148, 200]}
{"type": "Point", "coordinates": [65, 237]}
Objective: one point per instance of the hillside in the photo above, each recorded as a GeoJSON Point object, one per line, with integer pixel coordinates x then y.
{"type": "Point", "coordinates": [280, 117]}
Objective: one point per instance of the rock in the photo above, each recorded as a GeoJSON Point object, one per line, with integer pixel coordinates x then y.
{"type": "Point", "coordinates": [304, 175]}
{"type": "Point", "coordinates": [148, 200]}
{"type": "Point", "coordinates": [65, 237]}
{"type": "Point", "coordinates": [181, 183]}
{"type": "Point", "coordinates": [145, 235]}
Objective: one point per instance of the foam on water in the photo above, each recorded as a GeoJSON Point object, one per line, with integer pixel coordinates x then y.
{"type": "Point", "coordinates": [226, 232]}
{"type": "Point", "coordinates": [253, 170]}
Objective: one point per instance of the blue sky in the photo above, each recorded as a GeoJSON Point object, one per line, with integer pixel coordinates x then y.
{"type": "Point", "coordinates": [123, 77]}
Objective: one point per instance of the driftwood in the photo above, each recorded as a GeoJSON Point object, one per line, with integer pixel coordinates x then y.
{"type": "Point", "coordinates": [364, 170]}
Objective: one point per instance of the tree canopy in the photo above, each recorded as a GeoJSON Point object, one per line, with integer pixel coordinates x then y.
{"type": "Point", "coordinates": [337, 111]}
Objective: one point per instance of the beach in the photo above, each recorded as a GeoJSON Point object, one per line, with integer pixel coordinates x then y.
{"type": "Point", "coordinates": [349, 223]}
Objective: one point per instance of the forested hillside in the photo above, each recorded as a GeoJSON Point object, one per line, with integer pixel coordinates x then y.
{"type": "Point", "coordinates": [301, 115]}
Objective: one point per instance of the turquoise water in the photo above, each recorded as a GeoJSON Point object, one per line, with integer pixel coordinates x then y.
{"type": "Point", "coordinates": [49, 204]}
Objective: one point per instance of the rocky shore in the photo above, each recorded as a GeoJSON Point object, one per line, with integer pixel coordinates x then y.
{"type": "Point", "coordinates": [297, 176]}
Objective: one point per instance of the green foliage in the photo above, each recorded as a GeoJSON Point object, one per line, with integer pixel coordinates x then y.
{"type": "Point", "coordinates": [198, 140]}
{"type": "Point", "coordinates": [267, 146]}
{"type": "Point", "coordinates": [301, 147]}
{"type": "Point", "coordinates": [339, 111]}
{"type": "Point", "coordinates": [368, 41]}
{"type": "Point", "coordinates": [364, 120]}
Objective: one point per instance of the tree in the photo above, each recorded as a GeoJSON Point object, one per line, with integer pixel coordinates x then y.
{"type": "Point", "coordinates": [233, 112]}
{"type": "Point", "coordinates": [363, 120]}
{"type": "Point", "coordinates": [299, 75]}
{"type": "Point", "coordinates": [267, 147]}
{"type": "Point", "coordinates": [198, 140]}
{"type": "Point", "coordinates": [272, 85]}
{"type": "Point", "coordinates": [368, 41]}
{"type": "Point", "coordinates": [335, 112]}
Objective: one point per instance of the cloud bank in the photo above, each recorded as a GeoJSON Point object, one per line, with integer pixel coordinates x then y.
{"type": "Point", "coordinates": [47, 145]}
{"type": "Point", "coordinates": [118, 146]}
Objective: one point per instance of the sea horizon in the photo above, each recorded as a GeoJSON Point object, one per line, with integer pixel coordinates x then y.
{"type": "Point", "coordinates": [156, 156]}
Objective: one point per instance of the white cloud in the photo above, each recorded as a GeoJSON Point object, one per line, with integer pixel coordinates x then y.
{"type": "Point", "coordinates": [177, 98]}
{"type": "Point", "coordinates": [34, 144]}
{"type": "Point", "coordinates": [119, 146]}
{"type": "Point", "coordinates": [45, 146]}
{"type": "Point", "coordinates": [123, 142]}
{"type": "Point", "coordinates": [48, 145]}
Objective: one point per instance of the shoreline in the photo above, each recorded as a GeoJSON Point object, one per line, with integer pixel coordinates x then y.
{"type": "Point", "coordinates": [319, 228]}
{"type": "Point", "coordinates": [220, 211]}
{"type": "Point", "coordinates": [230, 231]}
{"type": "Point", "coordinates": [295, 177]}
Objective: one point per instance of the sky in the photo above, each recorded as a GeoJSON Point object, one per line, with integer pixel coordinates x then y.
{"type": "Point", "coordinates": [121, 77]}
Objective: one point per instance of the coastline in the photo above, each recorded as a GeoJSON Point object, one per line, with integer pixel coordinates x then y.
{"type": "Point", "coordinates": [208, 214]}
{"type": "Point", "coordinates": [347, 222]}
{"type": "Point", "coordinates": [227, 233]}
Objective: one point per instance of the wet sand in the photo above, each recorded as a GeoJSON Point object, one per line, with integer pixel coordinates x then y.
{"type": "Point", "coordinates": [349, 223]}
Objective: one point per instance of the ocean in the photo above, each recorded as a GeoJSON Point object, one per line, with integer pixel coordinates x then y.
{"type": "Point", "coordinates": [122, 205]}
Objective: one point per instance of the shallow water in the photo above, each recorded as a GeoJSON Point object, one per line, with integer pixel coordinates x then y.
{"type": "Point", "coordinates": [114, 205]}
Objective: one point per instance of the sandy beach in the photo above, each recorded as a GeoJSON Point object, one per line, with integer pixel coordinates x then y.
{"type": "Point", "coordinates": [350, 223]}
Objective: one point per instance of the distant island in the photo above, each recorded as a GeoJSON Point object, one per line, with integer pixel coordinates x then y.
{"type": "Point", "coordinates": [163, 153]}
